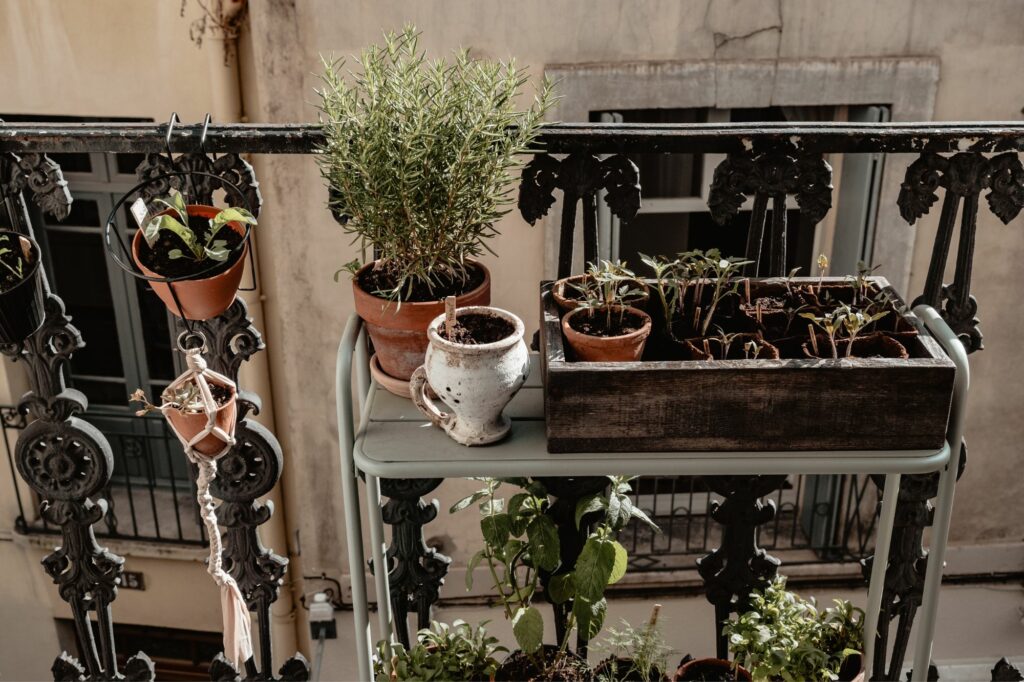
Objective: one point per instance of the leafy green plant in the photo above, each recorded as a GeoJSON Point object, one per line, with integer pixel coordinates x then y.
{"type": "Point", "coordinates": [608, 289]}
{"type": "Point", "coordinates": [644, 648]}
{"type": "Point", "coordinates": [671, 279]}
{"type": "Point", "coordinates": [831, 323]}
{"type": "Point", "coordinates": [783, 636]}
{"type": "Point", "coordinates": [186, 398]}
{"type": "Point", "coordinates": [521, 540]}
{"type": "Point", "coordinates": [855, 321]}
{"type": "Point", "coordinates": [175, 221]}
{"type": "Point", "coordinates": [442, 652]}
{"type": "Point", "coordinates": [419, 155]}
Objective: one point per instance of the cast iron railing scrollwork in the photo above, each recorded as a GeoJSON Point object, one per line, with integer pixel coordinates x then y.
{"type": "Point", "coordinates": [764, 173]}
{"type": "Point", "coordinates": [253, 466]}
{"type": "Point", "coordinates": [416, 571]}
{"type": "Point", "coordinates": [64, 459]}
{"type": "Point", "coordinates": [580, 177]}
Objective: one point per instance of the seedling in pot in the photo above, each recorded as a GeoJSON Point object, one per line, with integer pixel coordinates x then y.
{"type": "Point", "coordinates": [862, 282]}
{"type": "Point", "coordinates": [185, 398]}
{"type": "Point", "coordinates": [635, 653]}
{"type": "Point", "coordinates": [175, 220]}
{"type": "Point", "coordinates": [707, 266]}
{"type": "Point", "coordinates": [831, 323]}
{"type": "Point", "coordinates": [608, 289]}
{"type": "Point", "coordinates": [854, 322]}
{"type": "Point", "coordinates": [672, 278]}
{"type": "Point", "coordinates": [822, 269]}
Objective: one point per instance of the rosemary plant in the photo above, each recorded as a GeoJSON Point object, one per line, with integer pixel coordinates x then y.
{"type": "Point", "coordinates": [419, 156]}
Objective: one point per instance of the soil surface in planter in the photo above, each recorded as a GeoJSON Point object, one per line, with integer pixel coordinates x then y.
{"type": "Point", "coordinates": [157, 257]}
{"type": "Point", "coordinates": [13, 258]}
{"type": "Point", "coordinates": [519, 667]}
{"type": "Point", "coordinates": [594, 325]}
{"type": "Point", "coordinates": [473, 329]}
{"type": "Point", "coordinates": [385, 279]}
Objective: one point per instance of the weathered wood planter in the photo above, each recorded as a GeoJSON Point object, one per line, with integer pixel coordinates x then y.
{"type": "Point", "coordinates": [664, 404]}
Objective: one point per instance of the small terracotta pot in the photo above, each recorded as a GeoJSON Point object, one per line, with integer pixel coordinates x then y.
{"type": "Point", "coordinates": [188, 425]}
{"type": "Point", "coordinates": [698, 668]}
{"type": "Point", "coordinates": [568, 304]}
{"type": "Point", "coordinates": [399, 332]}
{"type": "Point", "coordinates": [625, 348]}
{"type": "Point", "coordinates": [867, 346]}
{"type": "Point", "coordinates": [21, 306]}
{"type": "Point", "coordinates": [204, 298]}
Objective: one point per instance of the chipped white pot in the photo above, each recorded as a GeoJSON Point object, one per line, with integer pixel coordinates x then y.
{"type": "Point", "coordinates": [475, 382]}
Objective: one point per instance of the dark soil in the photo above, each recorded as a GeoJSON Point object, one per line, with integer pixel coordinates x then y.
{"type": "Point", "coordinates": [519, 667]}
{"type": "Point", "coordinates": [385, 279]}
{"type": "Point", "coordinates": [158, 260]}
{"type": "Point", "coordinates": [476, 328]}
{"type": "Point", "coordinates": [15, 258]}
{"type": "Point", "coordinates": [621, 669]}
{"type": "Point", "coordinates": [594, 324]}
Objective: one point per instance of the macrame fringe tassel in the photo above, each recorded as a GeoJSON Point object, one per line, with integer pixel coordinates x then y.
{"type": "Point", "coordinates": [235, 613]}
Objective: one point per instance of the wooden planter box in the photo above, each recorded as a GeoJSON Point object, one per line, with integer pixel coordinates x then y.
{"type": "Point", "coordinates": [757, 405]}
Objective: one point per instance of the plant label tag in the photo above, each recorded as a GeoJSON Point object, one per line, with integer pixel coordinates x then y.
{"type": "Point", "coordinates": [139, 211]}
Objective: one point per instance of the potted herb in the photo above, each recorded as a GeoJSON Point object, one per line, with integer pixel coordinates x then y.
{"type": "Point", "coordinates": [476, 362]}
{"type": "Point", "coordinates": [568, 292]}
{"type": "Point", "coordinates": [201, 248]}
{"type": "Point", "coordinates": [605, 327]}
{"type": "Point", "coordinates": [21, 291]}
{"type": "Point", "coordinates": [843, 328]}
{"type": "Point", "coordinates": [785, 637]}
{"type": "Point", "coordinates": [419, 158]}
{"type": "Point", "coordinates": [182, 404]}
{"type": "Point", "coordinates": [521, 543]}
{"type": "Point", "coordinates": [442, 652]}
{"type": "Point", "coordinates": [637, 654]}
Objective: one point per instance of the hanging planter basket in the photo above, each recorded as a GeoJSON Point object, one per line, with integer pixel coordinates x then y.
{"type": "Point", "coordinates": [199, 295]}
{"type": "Point", "coordinates": [21, 306]}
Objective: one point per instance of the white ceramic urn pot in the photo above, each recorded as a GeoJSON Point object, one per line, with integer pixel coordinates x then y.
{"type": "Point", "coordinates": [475, 382]}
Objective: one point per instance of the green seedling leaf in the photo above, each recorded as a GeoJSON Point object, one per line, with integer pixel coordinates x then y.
{"type": "Point", "coordinates": [589, 616]}
{"type": "Point", "coordinates": [466, 501]}
{"type": "Point", "coordinates": [544, 547]}
{"type": "Point", "coordinates": [528, 628]}
{"type": "Point", "coordinates": [473, 563]}
{"type": "Point", "coordinates": [495, 529]}
{"type": "Point", "coordinates": [619, 565]}
{"type": "Point", "coordinates": [589, 504]}
{"type": "Point", "coordinates": [175, 254]}
{"type": "Point", "coordinates": [562, 588]}
{"type": "Point", "coordinates": [594, 568]}
{"type": "Point", "coordinates": [171, 224]}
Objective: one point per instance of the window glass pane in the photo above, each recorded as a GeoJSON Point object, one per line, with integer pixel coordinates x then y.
{"type": "Point", "coordinates": [669, 233]}
{"type": "Point", "coordinates": [101, 392]}
{"type": "Point", "coordinates": [80, 278]}
{"type": "Point", "coordinates": [666, 175]}
{"type": "Point", "coordinates": [78, 162]}
{"type": "Point", "coordinates": [125, 164]}
{"type": "Point", "coordinates": [84, 213]}
{"type": "Point", "coordinates": [155, 332]}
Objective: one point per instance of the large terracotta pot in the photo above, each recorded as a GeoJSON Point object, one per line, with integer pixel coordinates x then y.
{"type": "Point", "coordinates": [21, 306]}
{"type": "Point", "coordinates": [399, 332]}
{"type": "Point", "coordinates": [189, 425]}
{"type": "Point", "coordinates": [205, 298]}
{"type": "Point", "coordinates": [563, 292]}
{"type": "Point", "coordinates": [713, 668]}
{"type": "Point", "coordinates": [624, 348]}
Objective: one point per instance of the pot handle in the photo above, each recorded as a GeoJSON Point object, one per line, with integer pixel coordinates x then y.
{"type": "Point", "coordinates": [418, 391]}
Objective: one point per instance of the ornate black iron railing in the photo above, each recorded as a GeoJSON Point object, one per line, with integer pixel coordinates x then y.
{"type": "Point", "coordinates": [766, 163]}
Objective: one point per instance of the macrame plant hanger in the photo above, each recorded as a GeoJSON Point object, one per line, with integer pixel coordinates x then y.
{"type": "Point", "coordinates": [215, 436]}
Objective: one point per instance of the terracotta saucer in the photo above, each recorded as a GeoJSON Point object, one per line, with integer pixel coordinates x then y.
{"type": "Point", "coordinates": [390, 383]}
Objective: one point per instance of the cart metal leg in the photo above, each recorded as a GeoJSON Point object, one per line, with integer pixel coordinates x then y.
{"type": "Point", "coordinates": [380, 562]}
{"type": "Point", "coordinates": [890, 496]}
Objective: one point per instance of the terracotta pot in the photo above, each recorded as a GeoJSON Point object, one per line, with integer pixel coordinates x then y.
{"type": "Point", "coordinates": [399, 332]}
{"type": "Point", "coordinates": [21, 306]}
{"type": "Point", "coordinates": [204, 298]}
{"type": "Point", "coordinates": [188, 425]}
{"type": "Point", "coordinates": [852, 669]}
{"type": "Point", "coordinates": [699, 668]}
{"type": "Point", "coordinates": [867, 346]}
{"type": "Point", "coordinates": [607, 348]}
{"type": "Point", "coordinates": [568, 303]}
